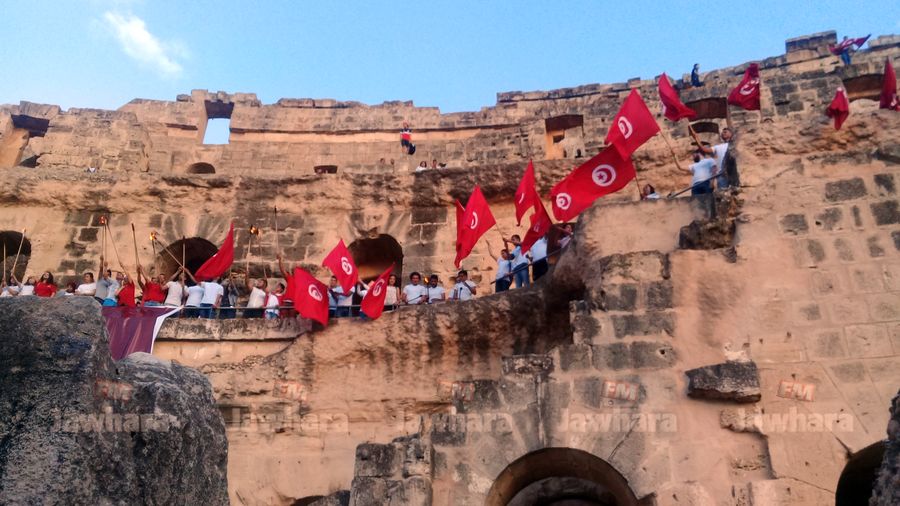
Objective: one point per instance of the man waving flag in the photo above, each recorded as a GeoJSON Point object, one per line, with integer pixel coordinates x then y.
{"type": "Point", "coordinates": [220, 262]}
{"type": "Point", "coordinates": [477, 220]}
{"type": "Point", "coordinates": [341, 264]}
{"type": "Point", "coordinates": [633, 125]}
{"type": "Point", "coordinates": [540, 225]}
{"type": "Point", "coordinates": [606, 173]}
{"type": "Point", "coordinates": [526, 196]}
{"type": "Point", "coordinates": [673, 108]}
{"type": "Point", "coordinates": [746, 94]}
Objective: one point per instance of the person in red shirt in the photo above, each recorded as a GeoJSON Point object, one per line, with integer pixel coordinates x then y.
{"type": "Point", "coordinates": [125, 294]}
{"type": "Point", "coordinates": [45, 287]}
{"type": "Point", "coordinates": [153, 293]}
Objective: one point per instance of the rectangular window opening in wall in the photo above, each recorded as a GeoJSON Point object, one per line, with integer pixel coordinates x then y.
{"type": "Point", "coordinates": [558, 138]}
{"type": "Point", "coordinates": [217, 131]}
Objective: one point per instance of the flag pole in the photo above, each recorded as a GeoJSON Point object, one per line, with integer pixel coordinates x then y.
{"type": "Point", "coordinates": [183, 254]}
{"type": "Point", "coordinates": [4, 262]}
{"type": "Point", "coordinates": [155, 258]}
{"type": "Point", "coordinates": [115, 249]}
{"type": "Point", "coordinates": [277, 249]}
{"type": "Point", "coordinates": [671, 150]}
{"type": "Point", "coordinates": [247, 254]}
{"type": "Point", "coordinates": [16, 261]}
{"type": "Point", "coordinates": [137, 261]}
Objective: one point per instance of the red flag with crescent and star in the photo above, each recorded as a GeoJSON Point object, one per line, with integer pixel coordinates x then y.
{"type": "Point", "coordinates": [373, 303]}
{"type": "Point", "coordinates": [605, 173]}
{"type": "Point", "coordinates": [526, 196]}
{"type": "Point", "coordinates": [340, 261]}
{"type": "Point", "coordinates": [633, 125]}
{"type": "Point", "coordinates": [477, 220]}
{"type": "Point", "coordinates": [746, 94]}
{"type": "Point", "coordinates": [673, 108]}
{"type": "Point", "coordinates": [839, 108]}
{"type": "Point", "coordinates": [310, 299]}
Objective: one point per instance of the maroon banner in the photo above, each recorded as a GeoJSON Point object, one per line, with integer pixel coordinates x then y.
{"type": "Point", "coordinates": [839, 109]}
{"type": "Point", "coordinates": [133, 329]}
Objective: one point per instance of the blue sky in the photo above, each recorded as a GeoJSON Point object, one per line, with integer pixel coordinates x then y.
{"type": "Point", "coordinates": [455, 55]}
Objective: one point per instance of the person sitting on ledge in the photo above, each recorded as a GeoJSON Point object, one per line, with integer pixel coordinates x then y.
{"type": "Point", "coordinates": [71, 287]}
{"type": "Point", "coordinates": [9, 288]}
{"type": "Point", "coordinates": [45, 287]}
{"type": "Point", "coordinates": [423, 166]}
{"type": "Point", "coordinates": [648, 192]}
{"type": "Point", "coordinates": [415, 292]}
{"type": "Point", "coordinates": [695, 76]}
{"type": "Point", "coordinates": [88, 286]}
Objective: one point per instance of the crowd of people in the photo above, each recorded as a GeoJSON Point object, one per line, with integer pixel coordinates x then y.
{"type": "Point", "coordinates": [237, 295]}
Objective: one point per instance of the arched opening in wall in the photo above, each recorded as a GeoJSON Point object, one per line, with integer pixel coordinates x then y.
{"type": "Point", "coordinates": [196, 251]}
{"type": "Point", "coordinates": [858, 477]}
{"type": "Point", "coordinates": [201, 168]}
{"type": "Point", "coordinates": [218, 122]}
{"type": "Point", "coordinates": [867, 86]}
{"type": "Point", "coordinates": [325, 169]}
{"type": "Point", "coordinates": [374, 256]}
{"type": "Point", "coordinates": [709, 108]}
{"type": "Point", "coordinates": [560, 476]}
{"type": "Point", "coordinates": [563, 132]}
{"type": "Point", "coordinates": [9, 242]}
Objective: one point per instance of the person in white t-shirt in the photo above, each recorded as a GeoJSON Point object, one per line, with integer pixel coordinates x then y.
{"type": "Point", "coordinates": [415, 292]}
{"type": "Point", "coordinates": [702, 171]}
{"type": "Point", "coordinates": [539, 263]}
{"type": "Point", "coordinates": [26, 288]}
{"type": "Point", "coordinates": [724, 155]}
{"type": "Point", "coordinates": [88, 286]}
{"type": "Point", "coordinates": [503, 279]}
{"type": "Point", "coordinates": [464, 289]}
{"type": "Point", "coordinates": [9, 288]}
{"type": "Point", "coordinates": [192, 303]}
{"type": "Point", "coordinates": [338, 303]}
{"type": "Point", "coordinates": [212, 297]}
{"type": "Point", "coordinates": [175, 290]}
{"type": "Point", "coordinates": [392, 295]}
{"type": "Point", "coordinates": [272, 304]}
{"type": "Point", "coordinates": [435, 291]}
{"type": "Point", "coordinates": [258, 294]}
{"type": "Point", "coordinates": [519, 261]}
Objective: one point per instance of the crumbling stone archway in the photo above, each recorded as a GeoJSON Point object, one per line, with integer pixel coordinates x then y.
{"type": "Point", "coordinates": [858, 477]}
{"type": "Point", "coordinates": [9, 240]}
{"type": "Point", "coordinates": [374, 255]}
{"type": "Point", "coordinates": [866, 86]}
{"type": "Point", "coordinates": [709, 108]}
{"type": "Point", "coordinates": [197, 250]}
{"type": "Point", "coordinates": [560, 476]}
{"type": "Point", "coordinates": [201, 168]}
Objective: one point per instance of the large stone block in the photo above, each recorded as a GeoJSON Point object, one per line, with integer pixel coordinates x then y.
{"type": "Point", "coordinates": [379, 460]}
{"type": "Point", "coordinates": [650, 323]}
{"type": "Point", "coordinates": [634, 355]}
{"type": "Point", "coordinates": [886, 213]}
{"type": "Point", "coordinates": [730, 381]}
{"type": "Point", "coordinates": [847, 189]}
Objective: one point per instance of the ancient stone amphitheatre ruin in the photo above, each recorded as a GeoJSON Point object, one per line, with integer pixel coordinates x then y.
{"type": "Point", "coordinates": [736, 350]}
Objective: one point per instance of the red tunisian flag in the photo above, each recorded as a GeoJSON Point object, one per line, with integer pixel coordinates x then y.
{"type": "Point", "coordinates": [220, 262]}
{"type": "Point", "coordinates": [540, 225]}
{"type": "Point", "coordinates": [606, 173]}
{"type": "Point", "coordinates": [633, 125]}
{"type": "Point", "coordinates": [477, 220]}
{"type": "Point", "coordinates": [673, 108]}
{"type": "Point", "coordinates": [839, 108]}
{"type": "Point", "coordinates": [309, 296]}
{"type": "Point", "coordinates": [526, 196]}
{"type": "Point", "coordinates": [889, 98]}
{"type": "Point", "coordinates": [341, 264]}
{"type": "Point", "coordinates": [746, 95]}
{"type": "Point", "coordinates": [373, 303]}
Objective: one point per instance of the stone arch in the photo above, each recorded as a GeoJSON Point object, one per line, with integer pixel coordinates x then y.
{"type": "Point", "coordinates": [866, 86]}
{"type": "Point", "coordinates": [858, 477]}
{"type": "Point", "coordinates": [201, 168]}
{"type": "Point", "coordinates": [709, 108]}
{"type": "Point", "coordinates": [197, 250]}
{"type": "Point", "coordinates": [10, 239]}
{"type": "Point", "coordinates": [560, 476]}
{"type": "Point", "coordinates": [374, 255]}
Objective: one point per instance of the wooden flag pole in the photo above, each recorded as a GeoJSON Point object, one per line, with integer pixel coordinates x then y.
{"type": "Point", "coordinates": [184, 254]}
{"type": "Point", "coordinates": [137, 261]}
{"type": "Point", "coordinates": [16, 261]}
{"type": "Point", "coordinates": [115, 248]}
{"type": "Point", "coordinates": [155, 258]}
{"type": "Point", "coordinates": [277, 249]}
{"type": "Point", "coordinates": [247, 254]}
{"type": "Point", "coordinates": [171, 255]}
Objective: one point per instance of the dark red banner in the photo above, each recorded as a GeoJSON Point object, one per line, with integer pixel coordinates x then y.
{"type": "Point", "coordinates": [133, 329]}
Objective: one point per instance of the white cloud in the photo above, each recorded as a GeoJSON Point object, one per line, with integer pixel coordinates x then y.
{"type": "Point", "coordinates": [143, 46]}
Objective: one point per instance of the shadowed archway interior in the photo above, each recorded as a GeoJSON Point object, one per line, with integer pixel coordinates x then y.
{"type": "Point", "coordinates": [858, 477]}
{"type": "Point", "coordinates": [201, 168]}
{"type": "Point", "coordinates": [865, 86]}
{"type": "Point", "coordinates": [560, 476]}
{"type": "Point", "coordinates": [9, 240]}
{"type": "Point", "coordinates": [197, 250]}
{"type": "Point", "coordinates": [374, 255]}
